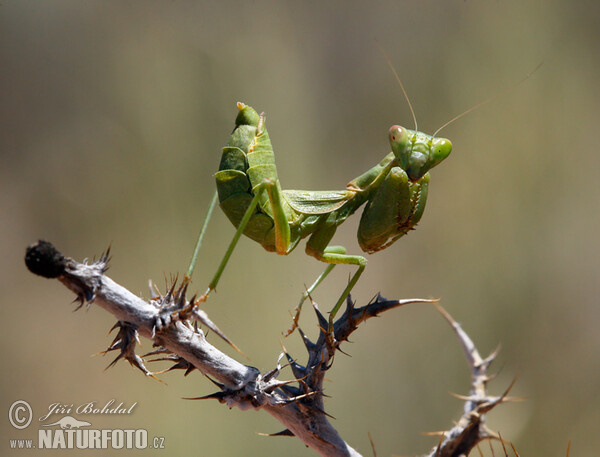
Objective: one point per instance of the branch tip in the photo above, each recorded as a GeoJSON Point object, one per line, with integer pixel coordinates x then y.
{"type": "Point", "coordinates": [43, 259]}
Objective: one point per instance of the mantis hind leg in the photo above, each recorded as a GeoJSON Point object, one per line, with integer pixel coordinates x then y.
{"type": "Point", "coordinates": [358, 260]}
{"type": "Point", "coordinates": [282, 228]}
{"type": "Point", "coordinates": [310, 290]}
{"type": "Point", "coordinates": [335, 255]}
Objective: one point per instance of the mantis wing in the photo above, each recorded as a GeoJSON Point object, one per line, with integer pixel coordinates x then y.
{"type": "Point", "coordinates": [316, 201]}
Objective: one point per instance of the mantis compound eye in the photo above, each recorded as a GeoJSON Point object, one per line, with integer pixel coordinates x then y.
{"type": "Point", "coordinates": [440, 149]}
{"type": "Point", "coordinates": [398, 136]}
{"type": "Point", "coordinates": [399, 142]}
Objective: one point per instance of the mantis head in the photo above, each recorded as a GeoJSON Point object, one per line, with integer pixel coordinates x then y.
{"type": "Point", "coordinates": [417, 152]}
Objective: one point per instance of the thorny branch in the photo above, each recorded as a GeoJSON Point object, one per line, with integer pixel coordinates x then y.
{"type": "Point", "coordinates": [170, 321]}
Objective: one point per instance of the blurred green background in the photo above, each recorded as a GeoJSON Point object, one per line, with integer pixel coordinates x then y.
{"type": "Point", "coordinates": [112, 116]}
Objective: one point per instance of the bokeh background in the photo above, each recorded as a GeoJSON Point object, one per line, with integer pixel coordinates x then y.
{"type": "Point", "coordinates": [112, 116]}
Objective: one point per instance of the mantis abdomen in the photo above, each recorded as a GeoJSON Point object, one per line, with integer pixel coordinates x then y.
{"type": "Point", "coordinates": [248, 161]}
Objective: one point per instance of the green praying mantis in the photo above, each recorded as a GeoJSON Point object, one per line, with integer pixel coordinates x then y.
{"type": "Point", "coordinates": [250, 194]}
{"type": "Point", "coordinates": [394, 193]}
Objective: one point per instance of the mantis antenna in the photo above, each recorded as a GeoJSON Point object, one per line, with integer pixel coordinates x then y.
{"type": "Point", "coordinates": [485, 102]}
{"type": "Point", "coordinates": [389, 62]}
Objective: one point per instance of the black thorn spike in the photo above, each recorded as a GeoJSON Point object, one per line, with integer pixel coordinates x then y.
{"type": "Point", "coordinates": [319, 410]}
{"type": "Point", "coordinates": [298, 370]}
{"type": "Point", "coordinates": [180, 297]}
{"type": "Point", "coordinates": [79, 299]}
{"type": "Point", "coordinates": [289, 358]}
{"type": "Point", "coordinates": [189, 369]}
{"type": "Point", "coordinates": [305, 387]}
{"type": "Point", "coordinates": [310, 346]}
{"type": "Point", "coordinates": [220, 396]}
{"type": "Point", "coordinates": [159, 350]}
{"type": "Point", "coordinates": [105, 258]}
{"type": "Point", "coordinates": [171, 290]}
{"type": "Point", "coordinates": [381, 298]}
{"type": "Point", "coordinates": [168, 358]}
{"type": "Point", "coordinates": [328, 366]}
{"type": "Point", "coordinates": [176, 366]}
{"type": "Point", "coordinates": [117, 325]}
{"type": "Point", "coordinates": [349, 303]}
{"type": "Point", "coordinates": [112, 364]}
{"type": "Point", "coordinates": [285, 432]}
{"type": "Point", "coordinates": [271, 374]}
{"type": "Point", "coordinates": [181, 292]}
{"type": "Point", "coordinates": [216, 383]}
{"type": "Point", "coordinates": [345, 353]}
{"type": "Point", "coordinates": [324, 323]}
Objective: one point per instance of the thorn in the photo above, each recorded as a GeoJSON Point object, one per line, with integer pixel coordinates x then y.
{"type": "Point", "coordinates": [310, 346]}
{"type": "Point", "coordinates": [372, 444]}
{"type": "Point", "coordinates": [349, 304]}
{"type": "Point", "coordinates": [270, 374]}
{"type": "Point", "coordinates": [278, 384]}
{"type": "Point", "coordinates": [283, 346]}
{"type": "Point", "coordinates": [502, 443]}
{"type": "Point", "coordinates": [345, 353]}
{"type": "Point", "coordinates": [285, 432]}
{"type": "Point", "coordinates": [203, 317]}
{"type": "Point", "coordinates": [462, 397]}
{"type": "Point", "coordinates": [189, 369]}
{"type": "Point", "coordinates": [220, 396]}
{"type": "Point", "coordinates": [117, 325]}
{"type": "Point", "coordinates": [154, 292]}
{"type": "Point", "coordinates": [319, 410]}
{"type": "Point", "coordinates": [509, 388]}
{"type": "Point", "coordinates": [322, 321]}
{"type": "Point", "coordinates": [380, 297]}
{"type": "Point", "coordinates": [78, 299]}
{"type": "Point", "coordinates": [298, 370]}
{"type": "Point", "coordinates": [517, 454]}
{"type": "Point", "coordinates": [160, 350]}
{"type": "Point", "coordinates": [302, 397]}
{"type": "Point", "coordinates": [469, 349]}
{"type": "Point", "coordinates": [479, 449]}
{"type": "Point", "coordinates": [440, 433]}
{"type": "Point", "coordinates": [439, 446]}
{"type": "Point", "coordinates": [490, 358]}
{"type": "Point", "coordinates": [105, 258]}
{"type": "Point", "coordinates": [216, 383]}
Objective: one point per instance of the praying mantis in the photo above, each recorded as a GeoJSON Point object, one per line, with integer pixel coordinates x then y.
{"type": "Point", "coordinates": [250, 194]}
